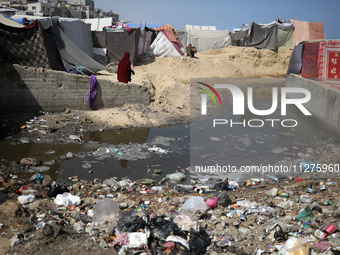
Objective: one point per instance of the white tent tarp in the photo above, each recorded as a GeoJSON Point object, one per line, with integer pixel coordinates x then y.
{"type": "Point", "coordinates": [98, 24]}
{"type": "Point", "coordinates": [208, 39]}
{"type": "Point", "coordinates": [188, 27]}
{"type": "Point", "coordinates": [162, 47]}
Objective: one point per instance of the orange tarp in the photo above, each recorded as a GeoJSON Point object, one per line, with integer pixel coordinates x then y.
{"type": "Point", "coordinates": [305, 31]}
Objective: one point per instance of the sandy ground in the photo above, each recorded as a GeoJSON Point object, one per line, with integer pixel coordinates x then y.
{"type": "Point", "coordinates": [168, 80]}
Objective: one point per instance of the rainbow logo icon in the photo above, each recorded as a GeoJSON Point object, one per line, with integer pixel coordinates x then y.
{"type": "Point", "coordinates": [209, 93]}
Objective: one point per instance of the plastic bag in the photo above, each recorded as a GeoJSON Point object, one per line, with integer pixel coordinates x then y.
{"type": "Point", "coordinates": [194, 203]}
{"type": "Point", "coordinates": [212, 203]}
{"type": "Point", "coordinates": [67, 200]}
{"type": "Point", "coordinates": [177, 177]}
{"type": "Point", "coordinates": [295, 246]}
{"type": "Point", "coordinates": [106, 210]}
{"type": "Point", "coordinates": [56, 189]}
{"type": "Point", "coordinates": [224, 199]}
{"type": "Point", "coordinates": [199, 241]}
{"type": "Point", "coordinates": [130, 224]}
{"type": "Point", "coordinates": [26, 199]}
{"type": "Point", "coordinates": [137, 239]}
{"type": "Point", "coordinates": [161, 228]}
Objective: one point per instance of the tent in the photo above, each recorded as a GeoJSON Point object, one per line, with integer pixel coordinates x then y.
{"type": "Point", "coordinates": [98, 24]}
{"type": "Point", "coordinates": [10, 22]}
{"type": "Point", "coordinates": [208, 39]}
{"type": "Point", "coordinates": [170, 34]}
{"type": "Point", "coordinates": [23, 46]}
{"type": "Point", "coordinates": [162, 47]}
{"type": "Point", "coordinates": [71, 40]}
{"type": "Point", "coordinates": [146, 37]}
{"type": "Point", "coordinates": [117, 43]}
{"type": "Point", "coordinates": [188, 27]}
{"type": "Point", "coordinates": [79, 33]}
{"type": "Point", "coordinates": [305, 31]}
{"type": "Point", "coordinates": [72, 54]}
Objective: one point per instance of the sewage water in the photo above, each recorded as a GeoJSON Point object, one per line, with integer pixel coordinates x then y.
{"type": "Point", "coordinates": [125, 153]}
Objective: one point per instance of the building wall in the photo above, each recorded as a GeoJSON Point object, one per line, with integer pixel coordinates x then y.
{"type": "Point", "coordinates": [30, 89]}
{"type": "Point", "coordinates": [39, 7]}
{"type": "Point", "coordinates": [324, 104]}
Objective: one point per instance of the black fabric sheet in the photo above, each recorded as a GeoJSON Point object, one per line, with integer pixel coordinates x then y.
{"type": "Point", "coordinates": [118, 43]}
{"type": "Point", "coordinates": [295, 61]}
{"type": "Point", "coordinates": [262, 38]}
{"type": "Point", "coordinates": [99, 39]}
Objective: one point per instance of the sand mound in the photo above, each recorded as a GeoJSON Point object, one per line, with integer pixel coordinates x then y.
{"type": "Point", "coordinates": [168, 79]}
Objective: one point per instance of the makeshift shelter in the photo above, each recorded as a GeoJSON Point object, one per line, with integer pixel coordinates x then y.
{"type": "Point", "coordinates": [10, 22]}
{"type": "Point", "coordinates": [237, 37]}
{"type": "Point", "coordinates": [146, 37]}
{"type": "Point", "coordinates": [320, 60]}
{"type": "Point", "coordinates": [79, 33]}
{"type": "Point", "coordinates": [186, 28]}
{"type": "Point", "coordinates": [305, 31]}
{"type": "Point", "coordinates": [72, 54]}
{"type": "Point", "coordinates": [262, 37]}
{"type": "Point", "coordinates": [162, 47]}
{"type": "Point", "coordinates": [98, 24]}
{"type": "Point", "coordinates": [118, 43]}
{"type": "Point", "coordinates": [23, 46]}
{"type": "Point", "coordinates": [170, 34]}
{"type": "Point", "coordinates": [208, 39]}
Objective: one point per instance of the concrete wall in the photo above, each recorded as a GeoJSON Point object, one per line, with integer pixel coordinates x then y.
{"type": "Point", "coordinates": [324, 104]}
{"type": "Point", "coordinates": [30, 89]}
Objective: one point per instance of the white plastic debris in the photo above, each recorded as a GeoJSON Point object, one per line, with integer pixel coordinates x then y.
{"type": "Point", "coordinates": [67, 199]}
{"type": "Point", "coordinates": [137, 239]}
{"type": "Point", "coordinates": [26, 199]}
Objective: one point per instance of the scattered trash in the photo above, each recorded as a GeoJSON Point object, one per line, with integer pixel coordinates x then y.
{"type": "Point", "coordinates": [194, 203]}
{"type": "Point", "coordinates": [67, 199]}
{"type": "Point", "coordinates": [177, 177]}
{"type": "Point", "coordinates": [105, 210]}
{"type": "Point", "coordinates": [26, 199]}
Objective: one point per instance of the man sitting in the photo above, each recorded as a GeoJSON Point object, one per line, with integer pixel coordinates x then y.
{"type": "Point", "coordinates": [191, 50]}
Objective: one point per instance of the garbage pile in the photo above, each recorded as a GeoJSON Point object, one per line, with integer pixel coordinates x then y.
{"type": "Point", "coordinates": [257, 216]}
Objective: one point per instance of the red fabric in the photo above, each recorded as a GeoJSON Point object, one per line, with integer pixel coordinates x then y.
{"type": "Point", "coordinates": [310, 60]}
{"type": "Point", "coordinates": [329, 62]}
{"type": "Point", "coordinates": [124, 69]}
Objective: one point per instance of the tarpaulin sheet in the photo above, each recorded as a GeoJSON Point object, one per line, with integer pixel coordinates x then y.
{"type": "Point", "coordinates": [23, 46]}
{"type": "Point", "coordinates": [72, 54]}
{"type": "Point", "coordinates": [208, 39]}
{"type": "Point", "coordinates": [146, 38]}
{"type": "Point", "coordinates": [329, 61]}
{"type": "Point", "coordinates": [169, 32]}
{"type": "Point", "coordinates": [310, 60]}
{"type": "Point", "coordinates": [98, 24]}
{"type": "Point", "coordinates": [80, 34]}
{"type": "Point", "coordinates": [295, 61]}
{"type": "Point", "coordinates": [304, 31]}
{"type": "Point", "coordinates": [285, 38]}
{"type": "Point", "coordinates": [263, 38]}
{"type": "Point", "coordinates": [162, 47]}
{"type": "Point", "coordinates": [238, 36]}
{"type": "Point", "coordinates": [99, 39]}
{"type": "Point", "coordinates": [10, 22]}
{"type": "Point", "coordinates": [52, 50]}
{"type": "Point", "coordinates": [118, 43]}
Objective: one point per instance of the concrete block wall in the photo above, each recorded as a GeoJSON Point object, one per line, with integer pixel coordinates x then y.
{"type": "Point", "coordinates": [30, 89]}
{"type": "Point", "coordinates": [324, 104]}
